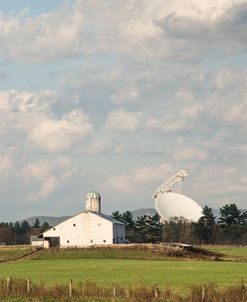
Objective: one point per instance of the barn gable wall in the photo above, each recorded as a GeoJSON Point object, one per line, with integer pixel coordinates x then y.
{"type": "Point", "coordinates": [83, 229]}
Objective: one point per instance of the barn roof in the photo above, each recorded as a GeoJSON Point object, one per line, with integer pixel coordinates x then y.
{"type": "Point", "coordinates": [109, 218]}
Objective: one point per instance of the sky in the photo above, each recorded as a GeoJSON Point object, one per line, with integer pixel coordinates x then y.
{"type": "Point", "coordinates": [116, 97]}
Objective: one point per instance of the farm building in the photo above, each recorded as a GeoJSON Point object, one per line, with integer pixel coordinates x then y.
{"type": "Point", "coordinates": [90, 227]}
{"type": "Point", "coordinates": [39, 242]}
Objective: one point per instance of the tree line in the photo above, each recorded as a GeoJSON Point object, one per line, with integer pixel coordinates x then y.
{"type": "Point", "coordinates": [229, 228]}
{"type": "Point", "coordinates": [20, 232]}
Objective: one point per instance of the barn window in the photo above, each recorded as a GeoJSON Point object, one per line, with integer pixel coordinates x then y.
{"type": "Point", "coordinates": [54, 229]}
{"type": "Point", "coordinates": [91, 241]}
{"type": "Point", "coordinates": [104, 240]}
{"type": "Point", "coordinates": [67, 241]}
{"type": "Point", "coordinates": [74, 224]}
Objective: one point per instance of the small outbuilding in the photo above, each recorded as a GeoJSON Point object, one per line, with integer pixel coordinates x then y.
{"type": "Point", "coordinates": [39, 242]}
{"type": "Point", "coordinates": [89, 227]}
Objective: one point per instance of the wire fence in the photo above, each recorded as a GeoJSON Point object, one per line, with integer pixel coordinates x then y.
{"type": "Point", "coordinates": [11, 289]}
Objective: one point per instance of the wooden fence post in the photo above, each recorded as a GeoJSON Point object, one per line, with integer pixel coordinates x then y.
{"type": "Point", "coordinates": [203, 293]}
{"type": "Point", "coordinates": [114, 289]}
{"type": "Point", "coordinates": [243, 293]}
{"type": "Point", "coordinates": [8, 284]}
{"type": "Point", "coordinates": [70, 288]}
{"type": "Point", "coordinates": [156, 291]}
{"type": "Point", "coordinates": [28, 285]}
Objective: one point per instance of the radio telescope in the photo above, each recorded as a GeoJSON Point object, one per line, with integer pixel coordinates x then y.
{"type": "Point", "coordinates": [169, 203]}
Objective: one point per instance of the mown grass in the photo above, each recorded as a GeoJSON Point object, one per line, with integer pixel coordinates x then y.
{"type": "Point", "coordinates": [178, 274]}
{"type": "Point", "coordinates": [229, 250]}
{"type": "Point", "coordinates": [13, 252]}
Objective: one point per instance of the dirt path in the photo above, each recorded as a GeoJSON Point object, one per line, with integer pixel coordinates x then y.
{"type": "Point", "coordinates": [25, 257]}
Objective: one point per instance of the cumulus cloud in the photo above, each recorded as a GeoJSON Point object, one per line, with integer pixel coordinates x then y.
{"type": "Point", "coordinates": [98, 146]}
{"type": "Point", "coordinates": [164, 81]}
{"type": "Point", "coordinates": [139, 178]}
{"type": "Point", "coordinates": [238, 113]}
{"type": "Point", "coordinates": [137, 28]}
{"type": "Point", "coordinates": [169, 124]}
{"type": "Point", "coordinates": [52, 35]}
{"type": "Point", "coordinates": [38, 170]}
{"type": "Point", "coordinates": [47, 188]}
{"type": "Point", "coordinates": [10, 161]}
{"type": "Point", "coordinates": [122, 120]}
{"type": "Point", "coordinates": [149, 174]}
{"type": "Point", "coordinates": [125, 95]}
{"type": "Point", "coordinates": [32, 115]}
{"type": "Point", "coordinates": [43, 177]}
{"type": "Point", "coordinates": [63, 161]}
{"type": "Point", "coordinates": [190, 153]}
{"type": "Point", "coordinates": [119, 183]}
{"type": "Point", "coordinates": [232, 92]}
{"type": "Point", "coordinates": [24, 101]}
{"type": "Point", "coordinates": [6, 164]}
{"type": "Point", "coordinates": [227, 102]}
{"type": "Point", "coordinates": [215, 31]}
{"type": "Point", "coordinates": [221, 182]}
{"type": "Point", "coordinates": [59, 135]}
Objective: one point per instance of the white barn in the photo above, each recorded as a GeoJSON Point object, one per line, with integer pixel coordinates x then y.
{"type": "Point", "coordinates": [90, 227]}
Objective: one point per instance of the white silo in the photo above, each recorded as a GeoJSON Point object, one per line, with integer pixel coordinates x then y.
{"type": "Point", "coordinates": [93, 202]}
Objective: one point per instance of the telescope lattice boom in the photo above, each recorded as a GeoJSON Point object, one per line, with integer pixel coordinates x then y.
{"type": "Point", "coordinates": [174, 184]}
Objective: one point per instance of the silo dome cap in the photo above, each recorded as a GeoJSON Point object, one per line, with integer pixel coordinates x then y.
{"type": "Point", "coordinates": [93, 194]}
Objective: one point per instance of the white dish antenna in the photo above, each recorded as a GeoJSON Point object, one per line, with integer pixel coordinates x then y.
{"type": "Point", "coordinates": [169, 203]}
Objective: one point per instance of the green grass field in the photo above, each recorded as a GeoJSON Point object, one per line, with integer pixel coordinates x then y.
{"type": "Point", "coordinates": [237, 251]}
{"type": "Point", "coordinates": [106, 267]}
{"type": "Point", "coordinates": [179, 274]}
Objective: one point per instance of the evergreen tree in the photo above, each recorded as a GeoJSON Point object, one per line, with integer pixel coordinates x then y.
{"type": "Point", "coordinates": [205, 227]}
{"type": "Point", "coordinates": [142, 228]}
{"type": "Point", "coordinates": [243, 218]}
{"type": "Point", "coordinates": [127, 218]}
{"type": "Point", "coordinates": [36, 223]}
{"type": "Point", "coordinates": [148, 228]}
{"type": "Point", "coordinates": [155, 228]}
{"type": "Point", "coordinates": [25, 227]}
{"type": "Point", "coordinates": [230, 214]}
{"type": "Point", "coordinates": [17, 228]}
{"type": "Point", "coordinates": [116, 215]}
{"type": "Point", "coordinates": [45, 226]}
{"type": "Point", "coordinates": [208, 216]}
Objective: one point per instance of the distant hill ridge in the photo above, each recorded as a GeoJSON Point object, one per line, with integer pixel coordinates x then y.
{"type": "Point", "coordinates": [49, 219]}
{"type": "Point", "coordinates": [55, 220]}
{"type": "Point", "coordinates": [139, 212]}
